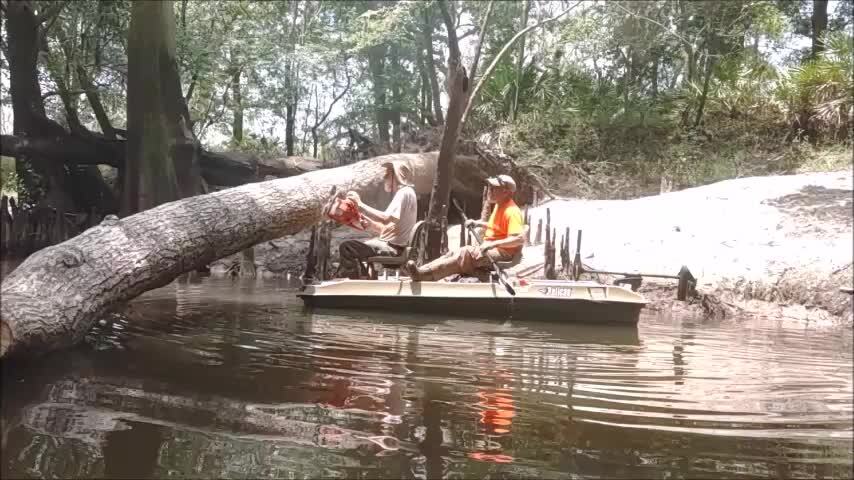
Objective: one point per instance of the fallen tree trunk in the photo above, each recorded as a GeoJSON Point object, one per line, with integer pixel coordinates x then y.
{"type": "Point", "coordinates": [228, 169]}
{"type": "Point", "coordinates": [120, 259]}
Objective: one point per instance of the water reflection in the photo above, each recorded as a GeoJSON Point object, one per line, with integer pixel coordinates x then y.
{"type": "Point", "coordinates": [216, 378]}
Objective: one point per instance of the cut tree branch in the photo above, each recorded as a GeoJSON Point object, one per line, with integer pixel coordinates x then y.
{"type": "Point", "coordinates": [503, 52]}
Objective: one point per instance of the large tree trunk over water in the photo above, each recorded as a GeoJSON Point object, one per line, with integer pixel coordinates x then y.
{"type": "Point", "coordinates": [120, 259]}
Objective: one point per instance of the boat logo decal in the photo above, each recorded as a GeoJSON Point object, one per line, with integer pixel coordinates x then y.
{"type": "Point", "coordinates": [556, 291]}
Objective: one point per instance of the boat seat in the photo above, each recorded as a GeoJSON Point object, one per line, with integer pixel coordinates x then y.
{"type": "Point", "coordinates": [394, 262]}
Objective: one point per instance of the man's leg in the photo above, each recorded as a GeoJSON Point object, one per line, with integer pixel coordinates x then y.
{"type": "Point", "coordinates": [353, 252]}
{"type": "Point", "coordinates": [460, 261]}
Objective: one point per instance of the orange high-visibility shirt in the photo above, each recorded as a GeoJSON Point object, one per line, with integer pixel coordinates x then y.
{"type": "Point", "coordinates": [506, 220]}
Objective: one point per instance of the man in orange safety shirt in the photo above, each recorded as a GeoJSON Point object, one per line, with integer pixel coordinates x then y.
{"type": "Point", "coordinates": [503, 240]}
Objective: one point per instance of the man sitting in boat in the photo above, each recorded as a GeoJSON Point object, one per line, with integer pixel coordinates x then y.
{"type": "Point", "coordinates": [393, 226]}
{"type": "Point", "coordinates": [503, 240]}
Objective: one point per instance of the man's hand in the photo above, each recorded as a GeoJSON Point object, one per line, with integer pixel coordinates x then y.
{"type": "Point", "coordinates": [471, 223]}
{"type": "Point", "coordinates": [355, 197]}
{"type": "Point", "coordinates": [486, 246]}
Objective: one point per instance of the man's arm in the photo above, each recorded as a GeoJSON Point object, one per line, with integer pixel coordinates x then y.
{"type": "Point", "coordinates": [373, 214]}
{"type": "Point", "coordinates": [371, 226]}
{"type": "Point", "coordinates": [516, 234]}
{"type": "Point", "coordinates": [511, 241]}
{"type": "Point", "coordinates": [477, 223]}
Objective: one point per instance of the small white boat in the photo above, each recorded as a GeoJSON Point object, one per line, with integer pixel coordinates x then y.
{"type": "Point", "coordinates": [547, 300]}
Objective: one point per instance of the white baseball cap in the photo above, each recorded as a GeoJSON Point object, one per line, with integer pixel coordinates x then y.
{"type": "Point", "coordinates": [502, 181]}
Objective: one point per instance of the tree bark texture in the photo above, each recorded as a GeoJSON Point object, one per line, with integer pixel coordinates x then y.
{"type": "Point", "coordinates": [52, 299]}
{"type": "Point", "coordinates": [161, 161]}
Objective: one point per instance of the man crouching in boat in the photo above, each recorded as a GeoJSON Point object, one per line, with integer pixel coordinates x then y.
{"type": "Point", "coordinates": [394, 226]}
{"type": "Point", "coordinates": [503, 240]}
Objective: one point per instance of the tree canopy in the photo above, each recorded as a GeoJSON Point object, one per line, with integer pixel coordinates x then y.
{"type": "Point", "coordinates": [322, 79]}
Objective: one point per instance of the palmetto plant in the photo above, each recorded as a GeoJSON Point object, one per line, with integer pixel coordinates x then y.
{"type": "Point", "coordinates": [819, 95]}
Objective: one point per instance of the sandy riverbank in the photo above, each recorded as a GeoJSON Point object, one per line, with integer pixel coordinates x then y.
{"type": "Point", "coordinates": [777, 245]}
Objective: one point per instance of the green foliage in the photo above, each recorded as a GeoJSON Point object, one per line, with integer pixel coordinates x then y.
{"type": "Point", "coordinates": [818, 94]}
{"type": "Point", "coordinates": [10, 184]}
{"type": "Point", "coordinates": [613, 89]}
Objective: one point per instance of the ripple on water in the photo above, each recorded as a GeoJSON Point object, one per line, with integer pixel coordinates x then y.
{"type": "Point", "coordinates": [225, 378]}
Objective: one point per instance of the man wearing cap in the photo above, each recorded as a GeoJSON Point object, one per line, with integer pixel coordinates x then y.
{"type": "Point", "coordinates": [503, 240]}
{"type": "Point", "coordinates": [394, 225]}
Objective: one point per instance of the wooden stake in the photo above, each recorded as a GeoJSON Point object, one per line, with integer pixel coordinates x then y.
{"type": "Point", "coordinates": [310, 266]}
{"type": "Point", "coordinates": [564, 254]}
{"type": "Point", "coordinates": [539, 238]}
{"type": "Point", "coordinates": [527, 223]}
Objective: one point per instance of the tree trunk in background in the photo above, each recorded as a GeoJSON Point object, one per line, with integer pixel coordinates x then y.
{"type": "Point", "coordinates": [457, 91]}
{"type": "Point", "coordinates": [819, 25]}
{"type": "Point", "coordinates": [654, 75]}
{"type": "Point", "coordinates": [376, 63]}
{"type": "Point", "coordinates": [710, 68]}
{"type": "Point", "coordinates": [50, 182]}
{"type": "Point", "coordinates": [520, 61]}
{"type": "Point", "coordinates": [161, 163]}
{"type": "Point", "coordinates": [438, 116]}
{"type": "Point", "coordinates": [247, 257]}
{"type": "Point", "coordinates": [426, 101]}
{"type": "Point", "coordinates": [236, 107]}
{"type": "Point", "coordinates": [396, 99]}
{"type": "Point", "coordinates": [292, 83]}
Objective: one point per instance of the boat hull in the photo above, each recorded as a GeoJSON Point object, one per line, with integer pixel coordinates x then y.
{"type": "Point", "coordinates": [575, 302]}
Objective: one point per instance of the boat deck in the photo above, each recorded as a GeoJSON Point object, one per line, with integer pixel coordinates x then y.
{"type": "Point", "coordinates": [554, 300]}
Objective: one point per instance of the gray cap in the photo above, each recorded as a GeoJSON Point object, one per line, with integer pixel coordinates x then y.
{"type": "Point", "coordinates": [502, 181]}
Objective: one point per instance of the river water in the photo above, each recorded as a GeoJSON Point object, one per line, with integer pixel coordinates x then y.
{"type": "Point", "coordinates": [224, 378]}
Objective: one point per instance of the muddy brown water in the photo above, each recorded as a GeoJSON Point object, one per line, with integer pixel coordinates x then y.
{"type": "Point", "coordinates": [223, 378]}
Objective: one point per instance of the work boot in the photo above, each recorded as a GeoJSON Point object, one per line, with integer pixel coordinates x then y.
{"type": "Point", "coordinates": [433, 271]}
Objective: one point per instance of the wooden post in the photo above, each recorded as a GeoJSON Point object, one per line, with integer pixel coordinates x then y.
{"type": "Point", "coordinates": [310, 266]}
{"type": "Point", "coordinates": [552, 259]}
{"type": "Point", "coordinates": [323, 245]}
{"type": "Point", "coordinates": [549, 251]}
{"type": "Point", "coordinates": [562, 253]}
{"type": "Point", "coordinates": [564, 256]}
{"type": "Point", "coordinates": [5, 224]}
{"type": "Point", "coordinates": [527, 223]}
{"type": "Point", "coordinates": [464, 235]}
{"type": "Point", "coordinates": [576, 262]}
{"type": "Point", "coordinates": [539, 238]}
